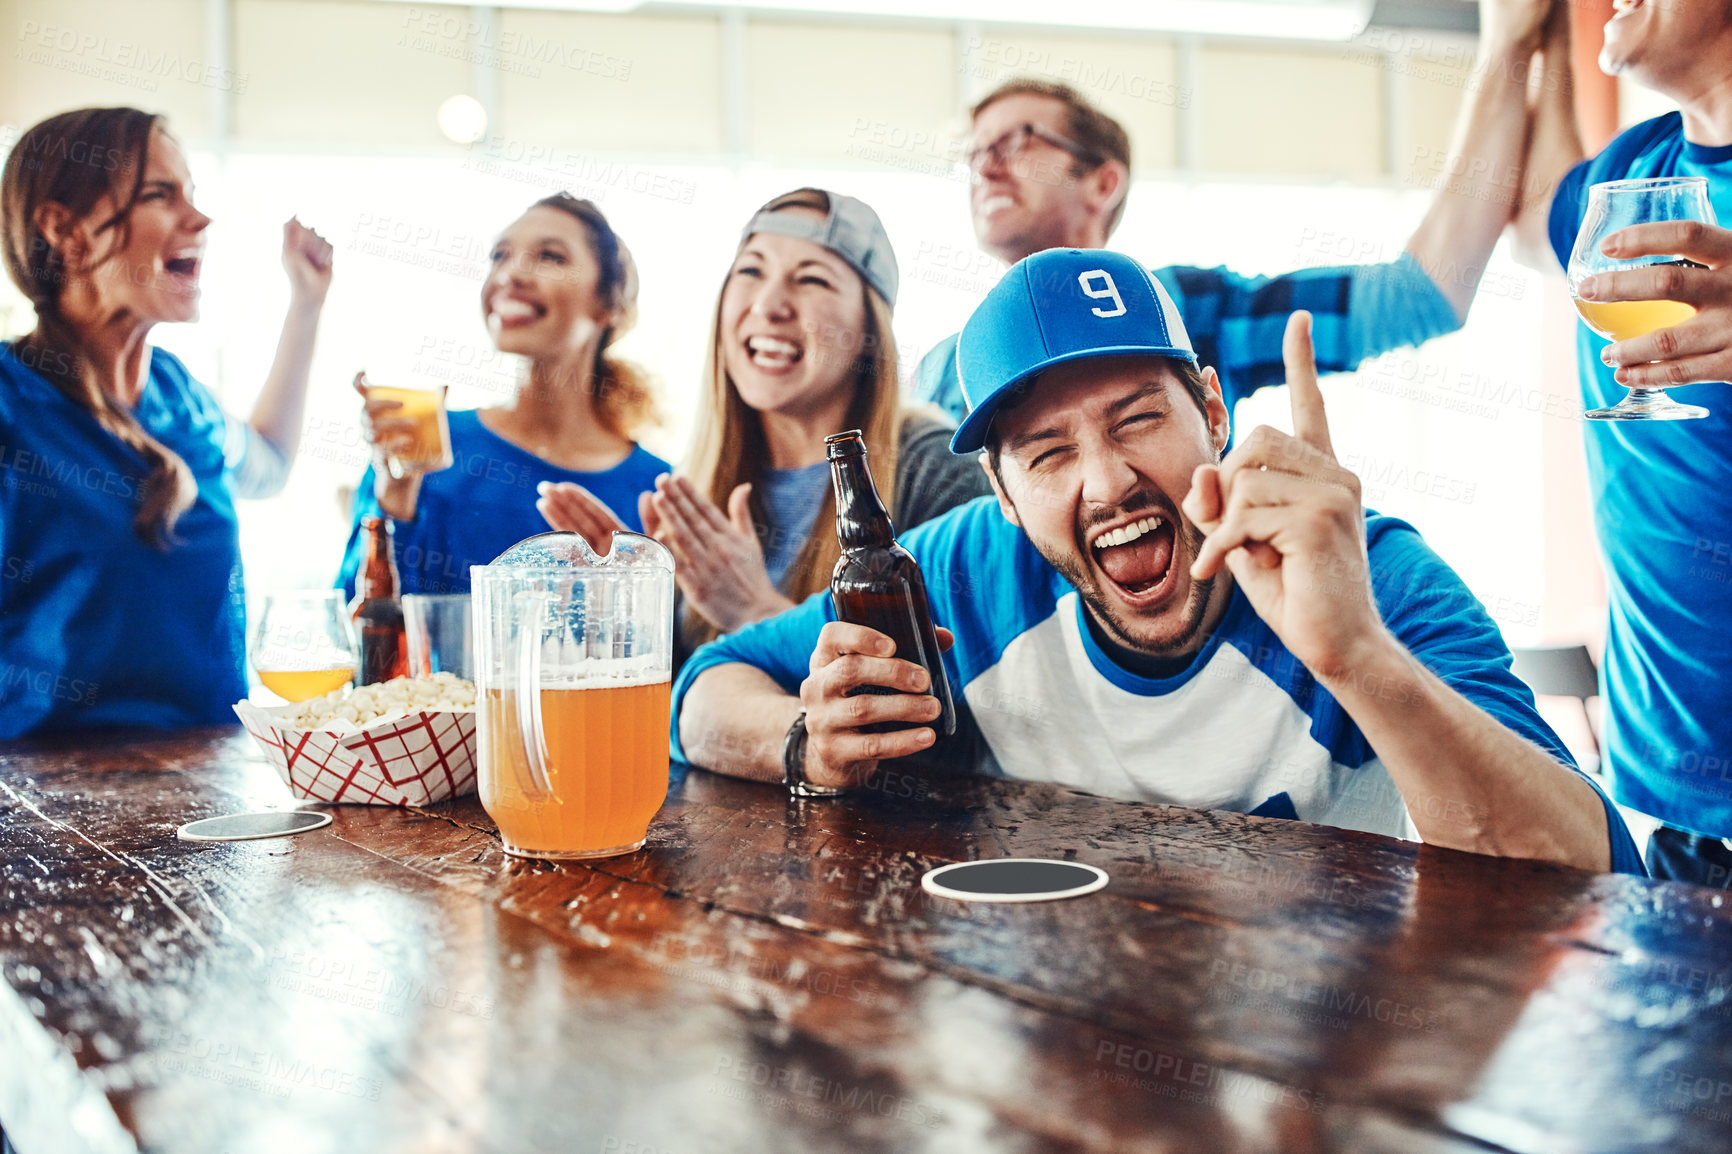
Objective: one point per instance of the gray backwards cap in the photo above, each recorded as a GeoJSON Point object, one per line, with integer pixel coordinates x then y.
{"type": "Point", "coordinates": [852, 231]}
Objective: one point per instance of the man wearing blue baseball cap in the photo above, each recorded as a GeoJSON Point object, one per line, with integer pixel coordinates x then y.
{"type": "Point", "coordinates": [1135, 615]}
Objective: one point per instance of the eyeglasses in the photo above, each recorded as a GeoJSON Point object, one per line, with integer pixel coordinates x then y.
{"type": "Point", "coordinates": [1010, 145]}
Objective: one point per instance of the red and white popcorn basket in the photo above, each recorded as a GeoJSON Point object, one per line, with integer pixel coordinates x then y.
{"type": "Point", "coordinates": [400, 759]}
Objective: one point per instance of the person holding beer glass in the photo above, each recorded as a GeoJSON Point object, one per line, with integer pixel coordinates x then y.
{"type": "Point", "coordinates": [801, 347]}
{"type": "Point", "coordinates": [1662, 491]}
{"type": "Point", "coordinates": [120, 571]}
{"type": "Point", "coordinates": [1139, 616]}
{"type": "Point", "coordinates": [560, 290]}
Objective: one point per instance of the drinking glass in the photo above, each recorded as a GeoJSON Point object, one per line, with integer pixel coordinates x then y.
{"type": "Point", "coordinates": [439, 637]}
{"type": "Point", "coordinates": [304, 644]}
{"type": "Point", "coordinates": [1612, 206]}
{"type": "Point", "coordinates": [431, 449]}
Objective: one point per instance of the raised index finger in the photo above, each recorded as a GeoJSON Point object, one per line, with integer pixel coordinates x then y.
{"type": "Point", "coordinates": [1309, 422]}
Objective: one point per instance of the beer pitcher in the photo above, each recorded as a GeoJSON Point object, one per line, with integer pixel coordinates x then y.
{"type": "Point", "coordinates": [574, 664]}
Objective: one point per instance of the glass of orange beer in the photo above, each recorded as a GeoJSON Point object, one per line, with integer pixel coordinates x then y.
{"type": "Point", "coordinates": [573, 665]}
{"type": "Point", "coordinates": [1616, 205]}
{"type": "Point", "coordinates": [430, 449]}
{"type": "Point", "coordinates": [303, 644]}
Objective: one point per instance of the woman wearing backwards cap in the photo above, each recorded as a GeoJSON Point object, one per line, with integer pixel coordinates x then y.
{"type": "Point", "coordinates": [801, 347]}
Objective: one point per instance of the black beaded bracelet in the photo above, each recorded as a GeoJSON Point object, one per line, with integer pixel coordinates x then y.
{"type": "Point", "coordinates": [794, 764]}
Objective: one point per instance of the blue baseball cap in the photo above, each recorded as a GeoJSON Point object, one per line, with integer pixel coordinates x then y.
{"type": "Point", "coordinates": [1064, 304]}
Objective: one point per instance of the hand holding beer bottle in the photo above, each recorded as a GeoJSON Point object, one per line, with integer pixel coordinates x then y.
{"type": "Point", "coordinates": [857, 687]}
{"type": "Point", "coordinates": [877, 688]}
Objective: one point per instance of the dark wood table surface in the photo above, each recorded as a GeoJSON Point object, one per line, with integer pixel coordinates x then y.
{"type": "Point", "coordinates": [767, 975]}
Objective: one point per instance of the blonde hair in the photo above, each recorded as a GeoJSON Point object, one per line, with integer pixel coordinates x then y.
{"type": "Point", "coordinates": [73, 160]}
{"type": "Point", "coordinates": [624, 396]}
{"type": "Point", "coordinates": [730, 449]}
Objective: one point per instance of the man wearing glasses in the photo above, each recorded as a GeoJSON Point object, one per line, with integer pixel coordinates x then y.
{"type": "Point", "coordinates": [1049, 170]}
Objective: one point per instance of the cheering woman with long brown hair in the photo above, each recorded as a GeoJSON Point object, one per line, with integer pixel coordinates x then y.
{"type": "Point", "coordinates": [120, 574]}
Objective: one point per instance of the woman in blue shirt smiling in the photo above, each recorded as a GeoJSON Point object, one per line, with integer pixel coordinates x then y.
{"type": "Point", "coordinates": [560, 288]}
{"type": "Point", "coordinates": [120, 575]}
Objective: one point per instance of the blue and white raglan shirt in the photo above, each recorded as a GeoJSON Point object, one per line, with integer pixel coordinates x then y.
{"type": "Point", "coordinates": [1245, 727]}
{"type": "Point", "coordinates": [1236, 323]}
{"type": "Point", "coordinates": [1663, 514]}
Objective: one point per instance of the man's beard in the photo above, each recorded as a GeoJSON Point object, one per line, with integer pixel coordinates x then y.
{"type": "Point", "coordinates": [1074, 569]}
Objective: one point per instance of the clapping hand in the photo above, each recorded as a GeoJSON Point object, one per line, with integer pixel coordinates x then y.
{"type": "Point", "coordinates": [718, 561]}
{"type": "Point", "coordinates": [571, 508]}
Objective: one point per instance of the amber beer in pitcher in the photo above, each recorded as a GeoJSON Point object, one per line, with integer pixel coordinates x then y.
{"type": "Point", "coordinates": [606, 761]}
{"type": "Point", "coordinates": [877, 583]}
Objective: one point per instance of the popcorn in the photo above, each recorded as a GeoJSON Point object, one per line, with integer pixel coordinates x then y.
{"type": "Point", "coordinates": [344, 709]}
{"type": "Point", "coordinates": [402, 742]}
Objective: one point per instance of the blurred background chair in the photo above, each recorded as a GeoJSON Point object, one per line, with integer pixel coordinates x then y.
{"type": "Point", "coordinates": [1562, 671]}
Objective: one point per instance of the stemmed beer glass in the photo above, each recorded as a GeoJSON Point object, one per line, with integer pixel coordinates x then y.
{"type": "Point", "coordinates": [1616, 205]}
{"type": "Point", "coordinates": [304, 644]}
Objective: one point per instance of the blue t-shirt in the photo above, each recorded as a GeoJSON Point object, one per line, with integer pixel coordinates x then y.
{"type": "Point", "coordinates": [1663, 511]}
{"type": "Point", "coordinates": [1244, 727]}
{"type": "Point", "coordinates": [484, 504]}
{"type": "Point", "coordinates": [96, 627]}
{"type": "Point", "coordinates": [792, 498]}
{"type": "Point", "coordinates": [1236, 323]}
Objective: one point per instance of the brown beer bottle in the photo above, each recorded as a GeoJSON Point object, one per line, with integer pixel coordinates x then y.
{"type": "Point", "coordinates": [877, 582]}
{"type": "Point", "coordinates": [376, 609]}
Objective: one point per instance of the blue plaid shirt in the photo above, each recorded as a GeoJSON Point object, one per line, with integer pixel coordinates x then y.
{"type": "Point", "coordinates": [1236, 323]}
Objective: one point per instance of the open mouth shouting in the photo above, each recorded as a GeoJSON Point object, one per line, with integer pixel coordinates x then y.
{"type": "Point", "coordinates": [1136, 557]}
{"type": "Point", "coordinates": [1625, 7]}
{"type": "Point", "coordinates": [774, 354]}
{"type": "Point", "coordinates": [182, 267]}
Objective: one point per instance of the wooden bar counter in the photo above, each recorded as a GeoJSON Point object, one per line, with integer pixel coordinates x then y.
{"type": "Point", "coordinates": [767, 975]}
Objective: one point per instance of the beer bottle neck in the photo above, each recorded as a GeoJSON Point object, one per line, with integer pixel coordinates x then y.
{"type": "Point", "coordinates": [862, 522]}
{"type": "Point", "coordinates": [378, 577]}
